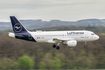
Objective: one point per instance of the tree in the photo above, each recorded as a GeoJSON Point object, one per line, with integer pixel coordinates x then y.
{"type": "Point", "coordinates": [56, 63]}
{"type": "Point", "coordinates": [25, 62]}
{"type": "Point", "coordinates": [6, 63]}
{"type": "Point", "coordinates": [42, 65]}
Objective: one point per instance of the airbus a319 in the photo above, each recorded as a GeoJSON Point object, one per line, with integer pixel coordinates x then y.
{"type": "Point", "coordinates": [69, 38]}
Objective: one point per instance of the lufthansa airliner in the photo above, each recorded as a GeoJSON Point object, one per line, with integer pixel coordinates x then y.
{"type": "Point", "coordinates": [69, 38]}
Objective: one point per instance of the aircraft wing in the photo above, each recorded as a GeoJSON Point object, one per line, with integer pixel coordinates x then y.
{"type": "Point", "coordinates": [58, 40]}
{"type": "Point", "coordinates": [63, 39]}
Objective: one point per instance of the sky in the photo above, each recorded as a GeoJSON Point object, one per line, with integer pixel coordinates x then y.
{"type": "Point", "coordinates": [65, 10]}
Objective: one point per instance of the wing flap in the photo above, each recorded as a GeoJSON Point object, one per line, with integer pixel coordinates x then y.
{"type": "Point", "coordinates": [58, 40]}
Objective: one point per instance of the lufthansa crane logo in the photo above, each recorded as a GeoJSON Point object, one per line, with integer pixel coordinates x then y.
{"type": "Point", "coordinates": [17, 27]}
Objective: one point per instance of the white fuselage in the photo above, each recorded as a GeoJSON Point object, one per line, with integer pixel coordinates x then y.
{"type": "Point", "coordinates": [82, 35]}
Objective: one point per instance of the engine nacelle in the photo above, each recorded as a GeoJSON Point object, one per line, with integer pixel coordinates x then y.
{"type": "Point", "coordinates": [11, 35]}
{"type": "Point", "coordinates": [71, 43]}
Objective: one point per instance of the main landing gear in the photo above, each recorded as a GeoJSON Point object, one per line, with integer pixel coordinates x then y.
{"type": "Point", "coordinates": [54, 45]}
{"type": "Point", "coordinates": [57, 47]}
{"type": "Point", "coordinates": [85, 45]}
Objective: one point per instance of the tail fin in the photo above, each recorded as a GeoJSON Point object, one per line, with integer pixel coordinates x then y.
{"type": "Point", "coordinates": [17, 26]}
{"type": "Point", "coordinates": [20, 31]}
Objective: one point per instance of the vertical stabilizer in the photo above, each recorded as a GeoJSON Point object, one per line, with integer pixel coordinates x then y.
{"type": "Point", "coordinates": [20, 32]}
{"type": "Point", "coordinates": [17, 26]}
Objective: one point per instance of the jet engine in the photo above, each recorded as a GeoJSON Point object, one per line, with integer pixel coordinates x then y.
{"type": "Point", "coordinates": [71, 43]}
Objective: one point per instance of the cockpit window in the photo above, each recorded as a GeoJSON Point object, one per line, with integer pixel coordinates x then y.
{"type": "Point", "coordinates": [92, 33]}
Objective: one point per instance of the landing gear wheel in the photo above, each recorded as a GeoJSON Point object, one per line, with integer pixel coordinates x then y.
{"type": "Point", "coordinates": [85, 46]}
{"type": "Point", "coordinates": [57, 47]}
{"type": "Point", "coordinates": [54, 45]}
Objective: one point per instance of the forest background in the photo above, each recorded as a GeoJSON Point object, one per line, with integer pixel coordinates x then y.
{"type": "Point", "coordinates": [20, 54]}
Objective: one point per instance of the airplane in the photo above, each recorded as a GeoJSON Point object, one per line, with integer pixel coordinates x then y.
{"type": "Point", "coordinates": [69, 38]}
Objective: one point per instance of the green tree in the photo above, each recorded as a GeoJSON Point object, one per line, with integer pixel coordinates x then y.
{"type": "Point", "coordinates": [56, 63]}
{"type": "Point", "coordinates": [6, 63]}
{"type": "Point", "coordinates": [91, 61]}
{"type": "Point", "coordinates": [15, 66]}
{"type": "Point", "coordinates": [101, 61]}
{"type": "Point", "coordinates": [47, 59]}
{"type": "Point", "coordinates": [84, 62]}
{"type": "Point", "coordinates": [42, 65]}
{"type": "Point", "coordinates": [25, 62]}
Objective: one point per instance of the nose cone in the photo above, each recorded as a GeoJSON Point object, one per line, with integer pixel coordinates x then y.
{"type": "Point", "coordinates": [97, 37]}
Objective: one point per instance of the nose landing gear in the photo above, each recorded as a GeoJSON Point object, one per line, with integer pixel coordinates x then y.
{"type": "Point", "coordinates": [85, 44]}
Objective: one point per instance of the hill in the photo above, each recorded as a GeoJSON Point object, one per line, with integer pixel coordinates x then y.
{"type": "Point", "coordinates": [96, 29]}
{"type": "Point", "coordinates": [37, 24]}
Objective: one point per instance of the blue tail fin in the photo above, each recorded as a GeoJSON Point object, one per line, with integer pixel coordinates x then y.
{"type": "Point", "coordinates": [17, 26]}
{"type": "Point", "coordinates": [20, 31]}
